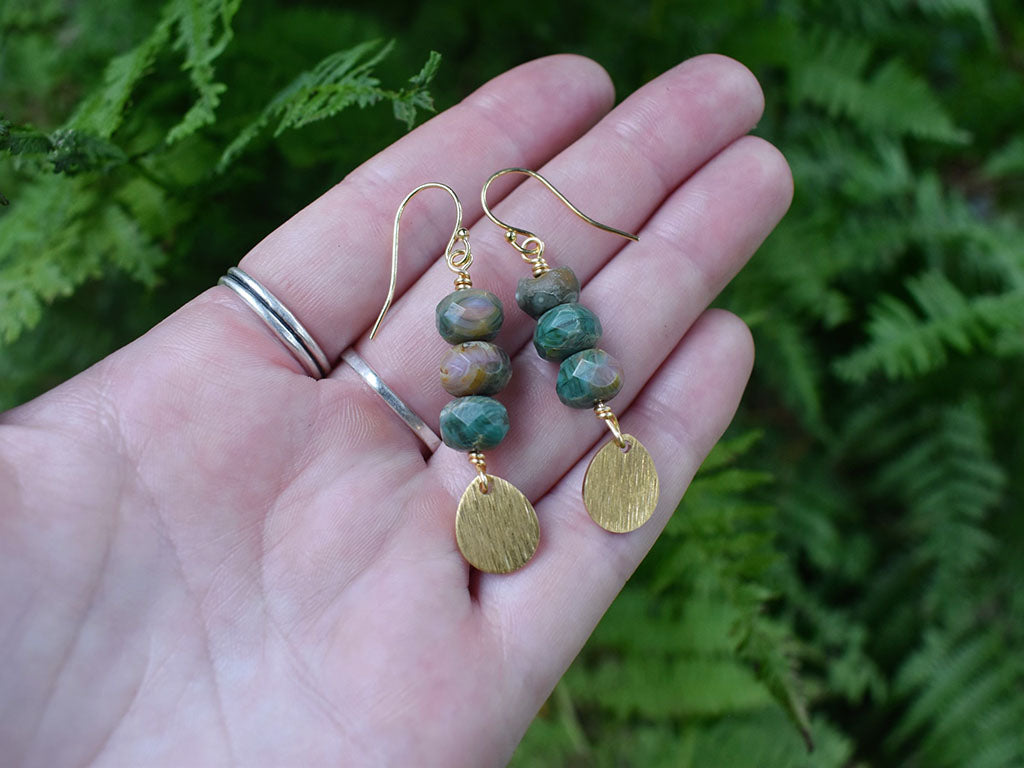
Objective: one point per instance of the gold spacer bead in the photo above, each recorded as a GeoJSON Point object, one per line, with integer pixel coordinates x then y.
{"type": "Point", "coordinates": [463, 281]}
{"type": "Point", "coordinates": [476, 458]}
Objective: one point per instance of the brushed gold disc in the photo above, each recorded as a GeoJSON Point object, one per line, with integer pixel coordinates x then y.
{"type": "Point", "coordinates": [497, 531]}
{"type": "Point", "coordinates": [620, 489]}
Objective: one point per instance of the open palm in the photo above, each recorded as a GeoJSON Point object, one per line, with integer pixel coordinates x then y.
{"type": "Point", "coordinates": [208, 558]}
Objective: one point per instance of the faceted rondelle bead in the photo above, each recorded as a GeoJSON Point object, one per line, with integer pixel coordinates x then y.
{"type": "Point", "coordinates": [473, 423]}
{"type": "Point", "coordinates": [475, 368]}
{"type": "Point", "coordinates": [469, 315]}
{"type": "Point", "coordinates": [566, 330]}
{"type": "Point", "coordinates": [536, 295]}
{"type": "Point", "coordinates": [587, 378]}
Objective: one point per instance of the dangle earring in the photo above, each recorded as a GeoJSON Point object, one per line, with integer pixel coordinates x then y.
{"type": "Point", "coordinates": [495, 524]}
{"type": "Point", "coordinates": [620, 487]}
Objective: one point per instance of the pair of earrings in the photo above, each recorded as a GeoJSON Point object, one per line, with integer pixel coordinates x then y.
{"type": "Point", "coordinates": [496, 527]}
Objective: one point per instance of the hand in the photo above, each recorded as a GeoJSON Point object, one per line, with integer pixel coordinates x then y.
{"type": "Point", "coordinates": [209, 558]}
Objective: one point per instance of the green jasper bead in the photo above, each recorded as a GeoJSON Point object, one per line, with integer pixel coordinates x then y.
{"type": "Point", "coordinates": [536, 295]}
{"type": "Point", "coordinates": [587, 378]}
{"type": "Point", "coordinates": [475, 368]}
{"type": "Point", "coordinates": [469, 315]}
{"type": "Point", "coordinates": [473, 423]}
{"type": "Point", "coordinates": [566, 330]}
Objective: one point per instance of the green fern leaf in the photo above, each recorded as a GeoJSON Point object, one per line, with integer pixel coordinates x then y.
{"type": "Point", "coordinates": [407, 101]}
{"type": "Point", "coordinates": [965, 702]}
{"type": "Point", "coordinates": [23, 139]}
{"type": "Point", "coordinates": [767, 648]}
{"type": "Point", "coordinates": [204, 31]}
{"type": "Point", "coordinates": [904, 344]}
{"type": "Point", "coordinates": [979, 10]}
{"type": "Point", "coordinates": [77, 151]}
{"type": "Point", "coordinates": [1008, 160]}
{"type": "Point", "coordinates": [59, 233]}
{"type": "Point", "coordinates": [946, 476]}
{"type": "Point", "coordinates": [102, 111]}
{"type": "Point", "coordinates": [341, 80]}
{"type": "Point", "coordinates": [761, 740]}
{"type": "Point", "coordinates": [22, 14]}
{"type": "Point", "coordinates": [893, 101]}
{"type": "Point", "coordinates": [675, 687]}
{"type": "Point", "coordinates": [792, 366]}
{"type": "Point", "coordinates": [729, 449]}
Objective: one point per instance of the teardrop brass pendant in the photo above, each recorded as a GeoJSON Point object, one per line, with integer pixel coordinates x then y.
{"type": "Point", "coordinates": [620, 488]}
{"type": "Point", "coordinates": [497, 531]}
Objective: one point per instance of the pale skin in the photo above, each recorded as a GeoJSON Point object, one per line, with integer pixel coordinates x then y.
{"type": "Point", "coordinates": [208, 558]}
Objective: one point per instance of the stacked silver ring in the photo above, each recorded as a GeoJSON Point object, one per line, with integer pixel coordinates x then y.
{"type": "Point", "coordinates": [305, 349]}
{"type": "Point", "coordinates": [281, 321]}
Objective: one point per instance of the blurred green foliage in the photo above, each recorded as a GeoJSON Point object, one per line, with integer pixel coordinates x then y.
{"type": "Point", "coordinates": [846, 569]}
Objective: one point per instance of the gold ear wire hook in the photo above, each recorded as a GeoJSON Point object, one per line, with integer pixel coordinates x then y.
{"type": "Point", "coordinates": [532, 247]}
{"type": "Point", "coordinates": [458, 259]}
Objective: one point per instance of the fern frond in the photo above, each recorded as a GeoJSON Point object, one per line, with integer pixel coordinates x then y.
{"type": "Point", "coordinates": [949, 482]}
{"type": "Point", "coordinates": [204, 30]}
{"type": "Point", "coordinates": [67, 150]}
{"type": "Point", "coordinates": [979, 10]}
{"type": "Point", "coordinates": [102, 111]}
{"type": "Point", "coordinates": [407, 101]}
{"type": "Point", "coordinates": [727, 450]}
{"type": "Point", "coordinates": [339, 81]}
{"type": "Point", "coordinates": [792, 367]}
{"type": "Point", "coordinates": [904, 344]}
{"type": "Point", "coordinates": [761, 740]}
{"type": "Point", "coordinates": [767, 647]}
{"type": "Point", "coordinates": [964, 702]}
{"type": "Point", "coordinates": [85, 233]}
{"type": "Point", "coordinates": [1008, 160]}
{"type": "Point", "coordinates": [657, 687]}
{"type": "Point", "coordinates": [894, 101]}
{"type": "Point", "coordinates": [22, 139]}
{"type": "Point", "coordinates": [701, 627]}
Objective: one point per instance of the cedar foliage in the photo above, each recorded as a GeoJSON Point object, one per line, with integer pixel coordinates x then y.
{"type": "Point", "coordinates": [845, 569]}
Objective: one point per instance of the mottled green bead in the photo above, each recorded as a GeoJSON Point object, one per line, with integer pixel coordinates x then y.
{"type": "Point", "coordinates": [536, 295]}
{"type": "Point", "coordinates": [566, 330]}
{"type": "Point", "coordinates": [587, 378]}
{"type": "Point", "coordinates": [469, 315]}
{"type": "Point", "coordinates": [475, 368]}
{"type": "Point", "coordinates": [473, 423]}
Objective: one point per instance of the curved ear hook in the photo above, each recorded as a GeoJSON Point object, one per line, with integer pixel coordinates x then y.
{"type": "Point", "coordinates": [532, 247]}
{"type": "Point", "coordinates": [458, 259]}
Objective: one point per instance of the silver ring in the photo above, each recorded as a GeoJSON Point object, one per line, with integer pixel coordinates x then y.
{"type": "Point", "coordinates": [403, 411]}
{"type": "Point", "coordinates": [282, 322]}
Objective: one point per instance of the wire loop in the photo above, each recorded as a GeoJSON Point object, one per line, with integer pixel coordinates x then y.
{"type": "Point", "coordinates": [458, 259]}
{"type": "Point", "coordinates": [603, 412]}
{"type": "Point", "coordinates": [531, 248]}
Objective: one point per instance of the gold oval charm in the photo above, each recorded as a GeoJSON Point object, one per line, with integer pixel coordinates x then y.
{"type": "Point", "coordinates": [620, 488]}
{"type": "Point", "coordinates": [496, 531]}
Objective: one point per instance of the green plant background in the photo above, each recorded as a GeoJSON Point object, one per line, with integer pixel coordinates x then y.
{"type": "Point", "coordinates": [846, 571]}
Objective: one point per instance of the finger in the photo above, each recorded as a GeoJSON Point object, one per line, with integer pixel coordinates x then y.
{"type": "Point", "coordinates": [544, 613]}
{"type": "Point", "coordinates": [329, 264]}
{"type": "Point", "coordinates": [620, 171]}
{"type": "Point", "coordinates": [647, 297]}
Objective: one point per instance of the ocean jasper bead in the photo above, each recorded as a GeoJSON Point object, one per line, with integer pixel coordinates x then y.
{"type": "Point", "coordinates": [566, 330]}
{"type": "Point", "coordinates": [473, 423]}
{"type": "Point", "coordinates": [587, 378]}
{"type": "Point", "coordinates": [469, 315]}
{"type": "Point", "coordinates": [536, 295]}
{"type": "Point", "coordinates": [475, 368]}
